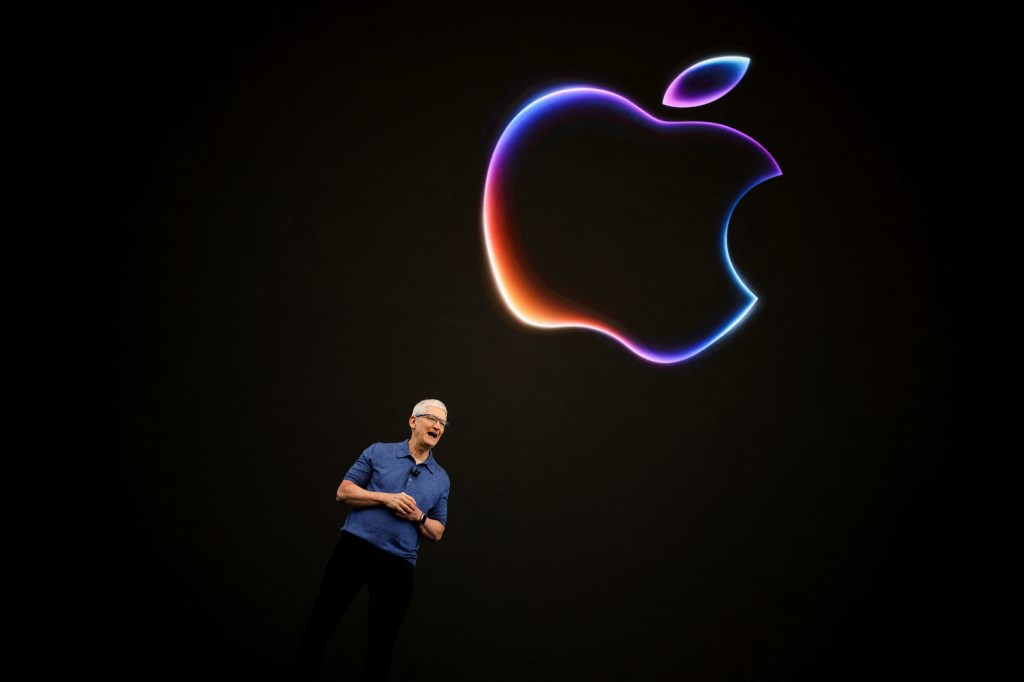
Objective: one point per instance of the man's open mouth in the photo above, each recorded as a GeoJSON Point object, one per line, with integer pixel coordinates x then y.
{"type": "Point", "coordinates": [433, 434]}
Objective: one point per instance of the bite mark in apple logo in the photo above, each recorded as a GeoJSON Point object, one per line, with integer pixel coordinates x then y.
{"type": "Point", "coordinates": [523, 292]}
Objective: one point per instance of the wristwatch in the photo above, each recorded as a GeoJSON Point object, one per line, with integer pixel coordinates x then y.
{"type": "Point", "coordinates": [423, 519]}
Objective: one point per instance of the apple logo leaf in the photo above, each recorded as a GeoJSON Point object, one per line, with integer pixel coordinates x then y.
{"type": "Point", "coordinates": [537, 182]}
{"type": "Point", "coordinates": [706, 81]}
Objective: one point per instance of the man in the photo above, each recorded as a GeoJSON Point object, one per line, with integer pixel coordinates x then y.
{"type": "Point", "coordinates": [398, 493]}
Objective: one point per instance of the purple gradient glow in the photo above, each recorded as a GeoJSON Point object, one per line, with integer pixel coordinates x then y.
{"type": "Point", "coordinates": [521, 291]}
{"type": "Point", "coordinates": [706, 81]}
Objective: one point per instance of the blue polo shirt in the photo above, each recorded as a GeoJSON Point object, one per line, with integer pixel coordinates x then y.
{"type": "Point", "coordinates": [387, 468]}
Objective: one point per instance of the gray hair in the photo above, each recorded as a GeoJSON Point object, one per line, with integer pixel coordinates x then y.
{"type": "Point", "coordinates": [421, 406]}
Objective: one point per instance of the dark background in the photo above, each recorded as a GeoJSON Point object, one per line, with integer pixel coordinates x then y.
{"type": "Point", "coordinates": [288, 255]}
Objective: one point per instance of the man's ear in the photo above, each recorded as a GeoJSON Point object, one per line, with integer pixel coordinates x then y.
{"type": "Point", "coordinates": [412, 422]}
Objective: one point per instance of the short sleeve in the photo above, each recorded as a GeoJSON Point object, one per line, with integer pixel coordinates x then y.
{"type": "Point", "coordinates": [361, 471]}
{"type": "Point", "coordinates": [440, 509]}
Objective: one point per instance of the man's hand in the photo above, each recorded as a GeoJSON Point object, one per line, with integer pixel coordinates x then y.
{"type": "Point", "coordinates": [403, 504]}
{"type": "Point", "coordinates": [414, 514]}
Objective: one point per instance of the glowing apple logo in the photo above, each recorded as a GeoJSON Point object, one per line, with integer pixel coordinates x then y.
{"type": "Point", "coordinates": [523, 292]}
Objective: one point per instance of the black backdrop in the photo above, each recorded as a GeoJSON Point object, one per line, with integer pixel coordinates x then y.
{"type": "Point", "coordinates": [291, 255]}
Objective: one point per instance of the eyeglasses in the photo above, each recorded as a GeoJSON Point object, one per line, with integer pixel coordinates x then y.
{"type": "Point", "coordinates": [433, 419]}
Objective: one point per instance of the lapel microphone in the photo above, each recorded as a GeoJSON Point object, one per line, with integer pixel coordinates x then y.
{"type": "Point", "coordinates": [415, 472]}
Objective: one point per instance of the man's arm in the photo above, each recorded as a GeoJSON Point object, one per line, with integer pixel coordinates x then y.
{"type": "Point", "coordinates": [354, 496]}
{"type": "Point", "coordinates": [431, 529]}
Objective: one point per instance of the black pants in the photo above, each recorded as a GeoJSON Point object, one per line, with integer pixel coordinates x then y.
{"type": "Point", "coordinates": [353, 564]}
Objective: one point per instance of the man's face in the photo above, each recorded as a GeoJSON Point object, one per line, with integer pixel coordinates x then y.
{"type": "Point", "coordinates": [429, 428]}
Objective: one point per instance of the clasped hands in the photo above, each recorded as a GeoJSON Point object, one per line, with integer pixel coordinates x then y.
{"type": "Point", "coordinates": [403, 505]}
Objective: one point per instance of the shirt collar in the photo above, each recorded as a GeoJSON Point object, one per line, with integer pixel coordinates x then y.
{"type": "Point", "coordinates": [404, 452]}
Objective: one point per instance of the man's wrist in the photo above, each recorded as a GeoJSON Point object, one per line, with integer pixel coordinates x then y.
{"type": "Point", "coordinates": [423, 520]}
